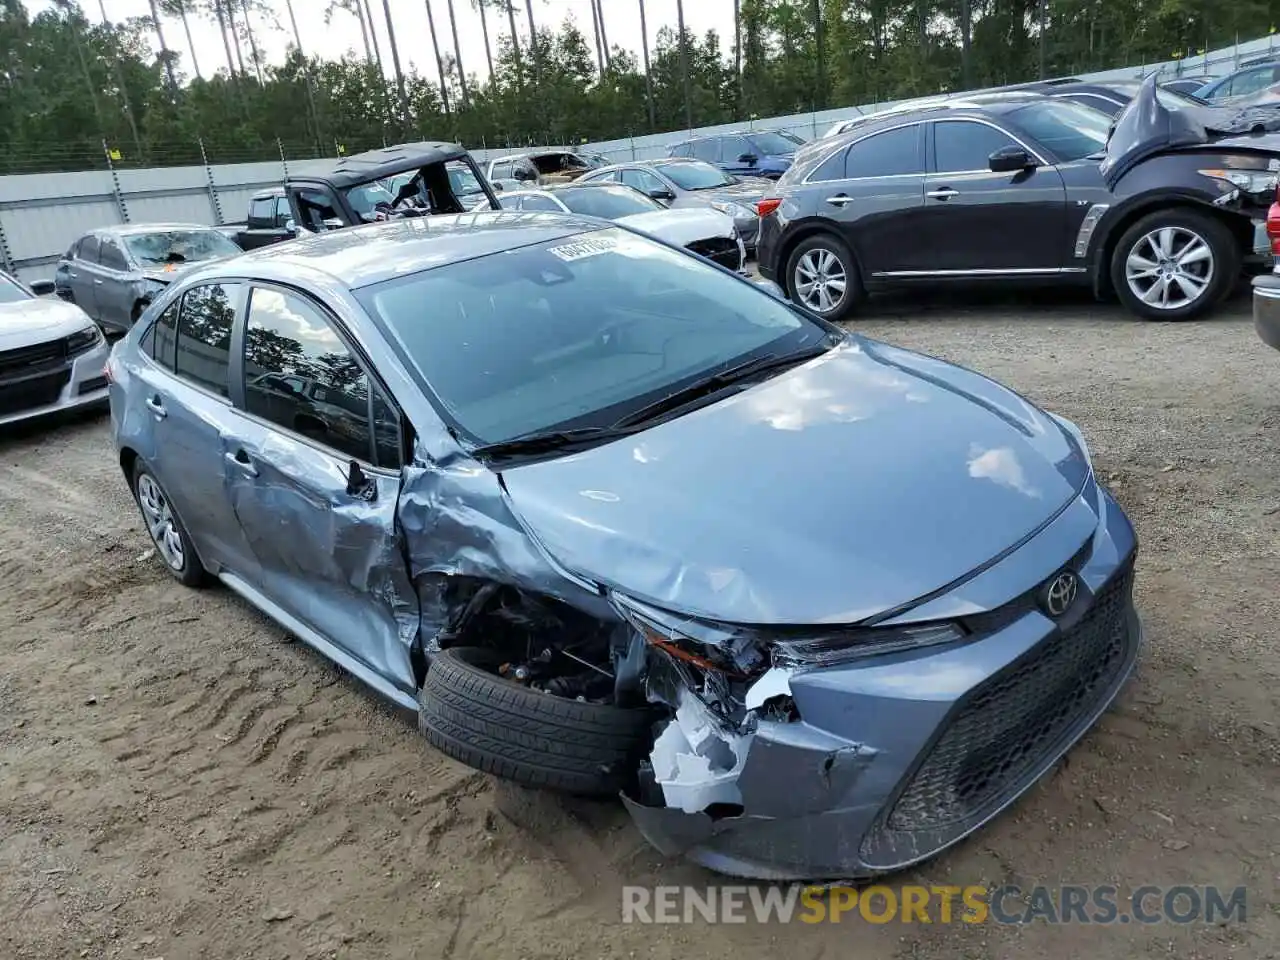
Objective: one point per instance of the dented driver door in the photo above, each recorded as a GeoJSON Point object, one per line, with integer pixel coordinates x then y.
{"type": "Point", "coordinates": [313, 461]}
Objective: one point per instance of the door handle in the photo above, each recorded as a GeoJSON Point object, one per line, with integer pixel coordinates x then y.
{"type": "Point", "coordinates": [157, 407]}
{"type": "Point", "coordinates": [240, 460]}
{"type": "Point", "coordinates": [73, 275]}
{"type": "Point", "coordinates": [839, 200]}
{"type": "Point", "coordinates": [97, 283]}
{"type": "Point", "coordinates": [942, 193]}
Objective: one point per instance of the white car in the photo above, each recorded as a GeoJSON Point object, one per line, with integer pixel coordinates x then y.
{"type": "Point", "coordinates": [51, 354]}
{"type": "Point", "coordinates": [701, 230]}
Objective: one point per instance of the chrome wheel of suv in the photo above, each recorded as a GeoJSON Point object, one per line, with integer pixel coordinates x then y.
{"type": "Point", "coordinates": [1170, 267]}
{"type": "Point", "coordinates": [820, 280]}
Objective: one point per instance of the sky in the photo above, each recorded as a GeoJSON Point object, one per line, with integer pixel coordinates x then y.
{"type": "Point", "coordinates": [342, 34]}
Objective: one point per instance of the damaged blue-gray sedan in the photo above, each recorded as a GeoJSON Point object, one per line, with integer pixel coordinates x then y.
{"type": "Point", "coordinates": [613, 520]}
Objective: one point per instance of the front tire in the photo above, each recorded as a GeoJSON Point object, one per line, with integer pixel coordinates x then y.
{"type": "Point", "coordinates": [532, 738]}
{"type": "Point", "coordinates": [170, 537]}
{"type": "Point", "coordinates": [1175, 265]}
{"type": "Point", "coordinates": [822, 277]}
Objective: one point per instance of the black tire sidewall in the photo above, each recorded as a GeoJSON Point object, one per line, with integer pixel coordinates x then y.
{"type": "Point", "coordinates": [521, 734]}
{"type": "Point", "coordinates": [853, 283]}
{"type": "Point", "coordinates": [192, 573]}
{"type": "Point", "coordinates": [1226, 263]}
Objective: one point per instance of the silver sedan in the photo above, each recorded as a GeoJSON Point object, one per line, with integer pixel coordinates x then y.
{"type": "Point", "coordinates": [113, 273]}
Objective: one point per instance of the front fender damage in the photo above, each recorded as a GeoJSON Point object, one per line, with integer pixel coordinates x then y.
{"type": "Point", "coordinates": [731, 751]}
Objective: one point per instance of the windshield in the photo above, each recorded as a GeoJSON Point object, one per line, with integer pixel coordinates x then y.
{"type": "Point", "coordinates": [10, 292]}
{"type": "Point", "coordinates": [696, 175]}
{"type": "Point", "coordinates": [607, 202]}
{"type": "Point", "coordinates": [179, 246]}
{"type": "Point", "coordinates": [365, 197]}
{"type": "Point", "coordinates": [771, 144]}
{"type": "Point", "coordinates": [575, 332]}
{"type": "Point", "coordinates": [1070, 130]}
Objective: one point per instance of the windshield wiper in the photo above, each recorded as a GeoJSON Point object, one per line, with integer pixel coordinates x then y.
{"type": "Point", "coordinates": [718, 381]}
{"type": "Point", "coordinates": [547, 441]}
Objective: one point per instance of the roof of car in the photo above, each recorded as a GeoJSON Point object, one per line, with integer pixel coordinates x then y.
{"type": "Point", "coordinates": [386, 162]}
{"type": "Point", "coordinates": [268, 194]}
{"type": "Point", "coordinates": [133, 229]}
{"type": "Point", "coordinates": [364, 255]}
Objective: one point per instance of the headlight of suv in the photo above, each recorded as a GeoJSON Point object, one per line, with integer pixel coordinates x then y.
{"type": "Point", "coordinates": [1250, 181]}
{"type": "Point", "coordinates": [746, 651]}
{"type": "Point", "coordinates": [729, 208]}
{"type": "Point", "coordinates": [84, 340]}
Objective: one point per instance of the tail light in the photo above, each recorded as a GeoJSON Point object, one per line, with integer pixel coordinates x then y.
{"type": "Point", "coordinates": [1273, 227]}
{"type": "Point", "coordinates": [770, 204]}
{"type": "Point", "coordinates": [108, 370]}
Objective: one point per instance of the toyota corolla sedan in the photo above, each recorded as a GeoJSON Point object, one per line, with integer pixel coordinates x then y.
{"type": "Point", "coordinates": [51, 354]}
{"type": "Point", "coordinates": [615, 521]}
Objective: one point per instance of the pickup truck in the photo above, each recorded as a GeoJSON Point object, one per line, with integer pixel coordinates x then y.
{"type": "Point", "coordinates": [427, 179]}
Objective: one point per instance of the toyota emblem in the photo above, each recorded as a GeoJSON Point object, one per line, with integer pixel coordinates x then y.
{"type": "Point", "coordinates": [1061, 593]}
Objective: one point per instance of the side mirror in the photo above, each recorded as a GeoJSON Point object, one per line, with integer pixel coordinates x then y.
{"type": "Point", "coordinates": [1010, 160]}
{"type": "Point", "coordinates": [771, 288]}
{"type": "Point", "coordinates": [333, 223]}
{"type": "Point", "coordinates": [291, 226]}
{"type": "Point", "coordinates": [662, 195]}
{"type": "Point", "coordinates": [748, 158]}
{"type": "Point", "coordinates": [42, 288]}
{"type": "Point", "coordinates": [497, 187]}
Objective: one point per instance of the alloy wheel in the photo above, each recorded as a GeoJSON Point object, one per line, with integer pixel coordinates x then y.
{"type": "Point", "coordinates": [160, 522]}
{"type": "Point", "coordinates": [820, 280]}
{"type": "Point", "coordinates": [1169, 268]}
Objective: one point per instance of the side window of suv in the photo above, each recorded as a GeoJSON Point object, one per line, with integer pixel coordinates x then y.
{"type": "Point", "coordinates": [205, 320]}
{"type": "Point", "coordinates": [708, 150]}
{"type": "Point", "coordinates": [892, 153]}
{"type": "Point", "coordinates": [300, 375]}
{"type": "Point", "coordinates": [731, 148]}
{"type": "Point", "coordinates": [964, 145]}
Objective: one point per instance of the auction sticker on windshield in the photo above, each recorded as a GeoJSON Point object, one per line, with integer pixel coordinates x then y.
{"type": "Point", "coordinates": [580, 249]}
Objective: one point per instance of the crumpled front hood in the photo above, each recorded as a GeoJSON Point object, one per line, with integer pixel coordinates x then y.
{"type": "Point", "coordinates": [852, 485]}
{"type": "Point", "coordinates": [1146, 127]}
{"type": "Point", "coordinates": [28, 322]}
{"type": "Point", "coordinates": [681, 226]}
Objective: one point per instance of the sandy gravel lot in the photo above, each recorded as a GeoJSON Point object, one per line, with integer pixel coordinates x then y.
{"type": "Point", "coordinates": [177, 780]}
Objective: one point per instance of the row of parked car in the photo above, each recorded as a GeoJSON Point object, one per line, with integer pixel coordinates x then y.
{"type": "Point", "coordinates": [1140, 191]}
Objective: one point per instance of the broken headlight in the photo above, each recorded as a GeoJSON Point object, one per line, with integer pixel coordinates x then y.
{"type": "Point", "coordinates": [825, 650]}
{"type": "Point", "coordinates": [1257, 182]}
{"type": "Point", "coordinates": [745, 651]}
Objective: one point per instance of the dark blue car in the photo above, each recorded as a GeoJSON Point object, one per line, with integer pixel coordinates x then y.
{"type": "Point", "coordinates": [748, 153]}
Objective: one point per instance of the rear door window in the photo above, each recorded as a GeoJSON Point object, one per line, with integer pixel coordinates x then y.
{"type": "Point", "coordinates": [642, 180]}
{"type": "Point", "coordinates": [205, 320]}
{"type": "Point", "coordinates": [708, 150]}
{"type": "Point", "coordinates": [893, 153]}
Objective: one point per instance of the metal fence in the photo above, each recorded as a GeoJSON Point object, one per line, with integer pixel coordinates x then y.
{"type": "Point", "coordinates": [42, 214]}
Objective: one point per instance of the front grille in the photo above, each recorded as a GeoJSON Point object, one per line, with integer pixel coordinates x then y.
{"type": "Point", "coordinates": [720, 249]}
{"type": "Point", "coordinates": [1005, 728]}
{"type": "Point", "coordinates": [92, 384]}
{"type": "Point", "coordinates": [33, 376]}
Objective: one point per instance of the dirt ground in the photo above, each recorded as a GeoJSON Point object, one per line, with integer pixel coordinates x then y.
{"type": "Point", "coordinates": [177, 780]}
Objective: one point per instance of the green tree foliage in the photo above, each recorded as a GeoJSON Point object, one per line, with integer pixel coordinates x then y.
{"type": "Point", "coordinates": [74, 91]}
